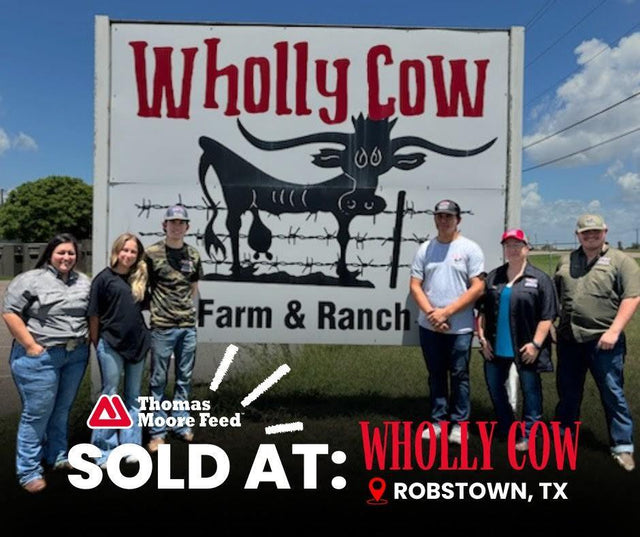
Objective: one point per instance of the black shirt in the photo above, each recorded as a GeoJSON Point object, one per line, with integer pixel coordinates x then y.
{"type": "Point", "coordinates": [533, 299]}
{"type": "Point", "coordinates": [121, 322]}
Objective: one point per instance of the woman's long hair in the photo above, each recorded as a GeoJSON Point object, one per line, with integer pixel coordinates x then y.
{"type": "Point", "coordinates": [60, 238]}
{"type": "Point", "coordinates": [138, 275]}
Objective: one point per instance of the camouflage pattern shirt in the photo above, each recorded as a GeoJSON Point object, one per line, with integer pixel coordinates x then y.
{"type": "Point", "coordinates": [172, 271]}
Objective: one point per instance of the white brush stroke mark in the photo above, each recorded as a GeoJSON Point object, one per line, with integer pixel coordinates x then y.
{"type": "Point", "coordinates": [228, 357]}
{"type": "Point", "coordinates": [284, 428]}
{"type": "Point", "coordinates": [266, 384]}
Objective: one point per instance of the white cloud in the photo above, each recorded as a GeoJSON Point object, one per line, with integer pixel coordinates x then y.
{"type": "Point", "coordinates": [549, 221]}
{"type": "Point", "coordinates": [24, 141]}
{"type": "Point", "coordinates": [530, 198]}
{"type": "Point", "coordinates": [5, 143]}
{"type": "Point", "coordinates": [553, 221]}
{"type": "Point", "coordinates": [630, 184]}
{"type": "Point", "coordinates": [607, 76]}
{"type": "Point", "coordinates": [614, 169]}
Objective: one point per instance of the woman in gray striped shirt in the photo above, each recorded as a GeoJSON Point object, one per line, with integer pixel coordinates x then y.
{"type": "Point", "coordinates": [45, 310]}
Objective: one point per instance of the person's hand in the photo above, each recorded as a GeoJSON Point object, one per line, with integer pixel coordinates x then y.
{"type": "Point", "coordinates": [529, 353]}
{"type": "Point", "coordinates": [608, 340]}
{"type": "Point", "coordinates": [442, 327]}
{"type": "Point", "coordinates": [35, 349]}
{"type": "Point", "coordinates": [438, 319]}
{"type": "Point", "coordinates": [486, 349]}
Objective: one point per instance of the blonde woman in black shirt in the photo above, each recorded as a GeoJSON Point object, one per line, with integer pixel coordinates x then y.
{"type": "Point", "coordinates": [119, 333]}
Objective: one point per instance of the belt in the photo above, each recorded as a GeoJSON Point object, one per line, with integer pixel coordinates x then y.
{"type": "Point", "coordinates": [72, 344]}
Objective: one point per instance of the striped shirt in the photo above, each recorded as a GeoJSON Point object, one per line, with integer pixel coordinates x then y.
{"type": "Point", "coordinates": [53, 310]}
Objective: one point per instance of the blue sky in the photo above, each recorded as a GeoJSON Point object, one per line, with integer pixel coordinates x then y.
{"type": "Point", "coordinates": [581, 80]}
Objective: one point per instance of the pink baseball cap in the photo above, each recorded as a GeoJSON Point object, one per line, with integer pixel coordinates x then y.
{"type": "Point", "coordinates": [517, 234]}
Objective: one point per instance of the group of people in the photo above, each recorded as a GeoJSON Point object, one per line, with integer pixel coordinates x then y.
{"type": "Point", "coordinates": [518, 311]}
{"type": "Point", "coordinates": [54, 313]}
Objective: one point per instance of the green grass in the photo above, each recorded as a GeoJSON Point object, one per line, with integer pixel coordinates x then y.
{"type": "Point", "coordinates": [331, 389]}
{"type": "Point", "coordinates": [549, 261]}
{"type": "Point", "coordinates": [546, 262]}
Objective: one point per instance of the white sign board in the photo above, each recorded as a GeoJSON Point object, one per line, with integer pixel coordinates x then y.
{"type": "Point", "coordinates": [309, 159]}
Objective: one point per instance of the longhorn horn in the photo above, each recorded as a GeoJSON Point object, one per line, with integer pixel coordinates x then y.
{"type": "Point", "coordinates": [322, 137]}
{"type": "Point", "coordinates": [405, 141]}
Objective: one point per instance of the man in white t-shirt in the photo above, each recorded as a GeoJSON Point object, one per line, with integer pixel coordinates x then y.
{"type": "Point", "coordinates": [447, 277]}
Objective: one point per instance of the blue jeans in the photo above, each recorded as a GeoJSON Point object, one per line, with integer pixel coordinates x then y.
{"type": "Point", "coordinates": [112, 367]}
{"type": "Point", "coordinates": [606, 366]}
{"type": "Point", "coordinates": [496, 372]}
{"type": "Point", "coordinates": [48, 385]}
{"type": "Point", "coordinates": [447, 359]}
{"type": "Point", "coordinates": [181, 343]}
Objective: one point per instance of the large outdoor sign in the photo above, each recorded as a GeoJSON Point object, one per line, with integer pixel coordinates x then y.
{"type": "Point", "coordinates": [309, 159]}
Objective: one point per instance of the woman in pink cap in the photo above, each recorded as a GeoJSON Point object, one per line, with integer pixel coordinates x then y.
{"type": "Point", "coordinates": [515, 317]}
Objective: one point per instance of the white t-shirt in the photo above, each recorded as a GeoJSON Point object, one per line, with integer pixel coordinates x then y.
{"type": "Point", "coordinates": [446, 270]}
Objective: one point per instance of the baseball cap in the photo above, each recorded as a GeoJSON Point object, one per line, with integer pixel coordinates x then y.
{"type": "Point", "coordinates": [447, 207]}
{"type": "Point", "coordinates": [517, 234]}
{"type": "Point", "coordinates": [590, 221]}
{"type": "Point", "coordinates": [176, 212]}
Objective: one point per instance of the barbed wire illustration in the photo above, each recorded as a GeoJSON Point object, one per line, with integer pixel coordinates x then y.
{"type": "Point", "coordinates": [146, 206]}
{"type": "Point", "coordinates": [404, 209]}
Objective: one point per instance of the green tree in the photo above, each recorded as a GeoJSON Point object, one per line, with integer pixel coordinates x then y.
{"type": "Point", "coordinates": [37, 210]}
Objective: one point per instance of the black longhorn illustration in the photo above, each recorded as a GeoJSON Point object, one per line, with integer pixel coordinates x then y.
{"type": "Point", "coordinates": [364, 155]}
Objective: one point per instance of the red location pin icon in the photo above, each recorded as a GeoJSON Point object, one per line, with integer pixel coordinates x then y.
{"type": "Point", "coordinates": [376, 487]}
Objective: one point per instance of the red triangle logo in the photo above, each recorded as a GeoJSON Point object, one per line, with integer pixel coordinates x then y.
{"type": "Point", "coordinates": [109, 413]}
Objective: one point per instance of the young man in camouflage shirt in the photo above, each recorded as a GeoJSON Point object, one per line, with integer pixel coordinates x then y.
{"type": "Point", "coordinates": [174, 270]}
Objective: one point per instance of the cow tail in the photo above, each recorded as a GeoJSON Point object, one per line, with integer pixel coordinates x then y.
{"type": "Point", "coordinates": [210, 237]}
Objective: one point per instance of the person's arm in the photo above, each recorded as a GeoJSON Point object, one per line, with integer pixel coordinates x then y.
{"type": "Point", "coordinates": [548, 307]}
{"type": "Point", "coordinates": [94, 329]}
{"type": "Point", "coordinates": [97, 297]}
{"type": "Point", "coordinates": [418, 294]}
{"type": "Point", "coordinates": [485, 346]}
{"type": "Point", "coordinates": [20, 332]}
{"type": "Point", "coordinates": [627, 308]}
{"type": "Point", "coordinates": [151, 275]}
{"type": "Point", "coordinates": [195, 292]}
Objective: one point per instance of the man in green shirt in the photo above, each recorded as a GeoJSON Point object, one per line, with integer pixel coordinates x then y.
{"type": "Point", "coordinates": [599, 291]}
